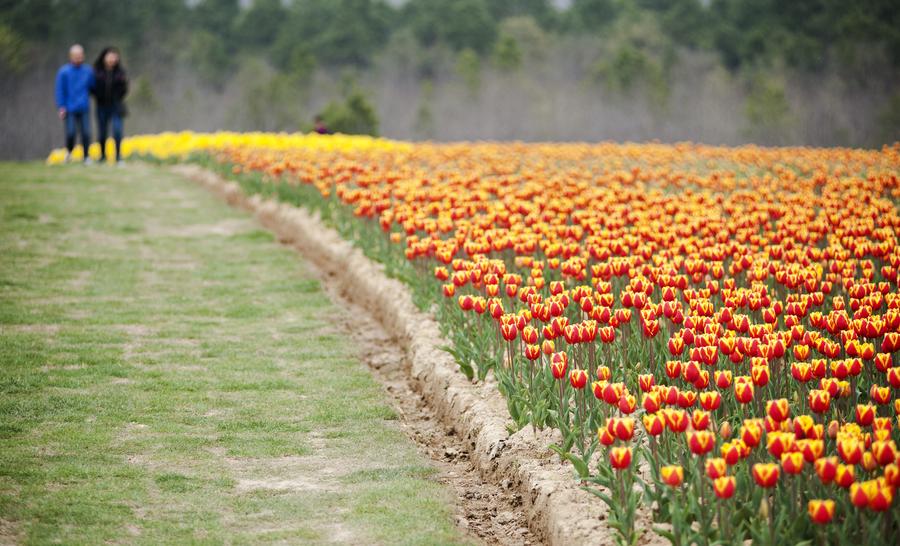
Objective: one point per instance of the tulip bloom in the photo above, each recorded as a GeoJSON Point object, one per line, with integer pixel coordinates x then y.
{"type": "Point", "coordinates": [603, 373]}
{"type": "Point", "coordinates": [700, 420]}
{"type": "Point", "coordinates": [819, 401]}
{"type": "Point", "coordinates": [743, 392]}
{"type": "Point", "coordinates": [850, 450]}
{"type": "Point", "coordinates": [605, 437]}
{"type": "Point", "coordinates": [821, 511]}
{"type": "Point", "coordinates": [620, 457]}
{"type": "Point", "coordinates": [578, 379]}
{"type": "Point", "coordinates": [673, 368]}
{"type": "Point", "coordinates": [673, 475]}
{"type": "Point", "coordinates": [765, 474]}
{"type": "Point", "coordinates": [779, 442]}
{"type": "Point", "coordinates": [880, 395]}
{"type": "Point", "coordinates": [613, 392]}
{"type": "Point", "coordinates": [621, 427]}
{"type": "Point", "coordinates": [654, 423]}
{"type": "Point", "coordinates": [801, 371]}
{"type": "Point", "coordinates": [651, 402]}
{"type": "Point", "coordinates": [884, 451]}
{"type": "Point", "coordinates": [547, 347]}
{"type": "Point", "coordinates": [731, 452]}
{"type": "Point", "coordinates": [892, 474]}
{"type": "Point", "coordinates": [811, 449]}
{"type": "Point", "coordinates": [751, 432]}
{"type": "Point", "coordinates": [724, 487]}
{"type": "Point", "coordinates": [792, 462]}
{"type": "Point", "coordinates": [804, 426]}
{"type": "Point", "coordinates": [826, 468]}
{"type": "Point", "coordinates": [862, 493]}
{"type": "Point", "coordinates": [676, 420]}
{"type": "Point", "coordinates": [760, 375]}
{"type": "Point", "coordinates": [882, 498]}
{"type": "Point", "coordinates": [558, 364]}
{"type": "Point", "coordinates": [627, 404]}
{"type": "Point", "coordinates": [845, 475]}
{"type": "Point", "coordinates": [893, 377]}
{"type": "Point", "coordinates": [716, 467]}
{"type": "Point", "coordinates": [710, 400]}
{"type": "Point", "coordinates": [779, 410]}
{"type": "Point", "coordinates": [701, 442]}
{"type": "Point", "coordinates": [530, 335]}
{"type": "Point", "coordinates": [509, 331]}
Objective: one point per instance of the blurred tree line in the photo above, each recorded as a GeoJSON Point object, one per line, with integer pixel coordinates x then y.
{"type": "Point", "coordinates": [755, 40]}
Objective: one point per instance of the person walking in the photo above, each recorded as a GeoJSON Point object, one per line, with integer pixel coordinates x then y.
{"type": "Point", "coordinates": [73, 84]}
{"type": "Point", "coordinates": [110, 88]}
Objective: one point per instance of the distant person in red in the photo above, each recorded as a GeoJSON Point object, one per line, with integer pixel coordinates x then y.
{"type": "Point", "coordinates": [110, 88]}
{"type": "Point", "coordinates": [73, 102]}
{"type": "Point", "coordinates": [320, 127]}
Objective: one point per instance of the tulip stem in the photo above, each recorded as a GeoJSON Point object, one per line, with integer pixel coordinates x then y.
{"type": "Point", "coordinates": [722, 523]}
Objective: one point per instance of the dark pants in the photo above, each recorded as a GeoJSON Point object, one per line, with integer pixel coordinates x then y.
{"type": "Point", "coordinates": [81, 122]}
{"type": "Point", "coordinates": [105, 115]}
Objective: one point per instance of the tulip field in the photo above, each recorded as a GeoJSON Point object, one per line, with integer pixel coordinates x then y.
{"type": "Point", "coordinates": [712, 331]}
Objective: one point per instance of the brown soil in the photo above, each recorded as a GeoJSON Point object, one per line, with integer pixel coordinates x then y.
{"type": "Point", "coordinates": [510, 489]}
{"type": "Point", "coordinates": [489, 511]}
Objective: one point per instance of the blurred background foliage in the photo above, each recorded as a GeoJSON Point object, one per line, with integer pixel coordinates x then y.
{"type": "Point", "coordinates": [818, 72]}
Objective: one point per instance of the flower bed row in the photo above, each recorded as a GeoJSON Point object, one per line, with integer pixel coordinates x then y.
{"type": "Point", "coordinates": [712, 330]}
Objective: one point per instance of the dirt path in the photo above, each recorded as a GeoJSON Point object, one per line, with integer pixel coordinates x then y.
{"type": "Point", "coordinates": [489, 511]}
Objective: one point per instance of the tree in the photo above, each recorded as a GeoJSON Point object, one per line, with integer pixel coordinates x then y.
{"type": "Point", "coordinates": [216, 16]}
{"type": "Point", "coordinates": [210, 57]}
{"type": "Point", "coordinates": [541, 11]}
{"type": "Point", "coordinates": [259, 25]}
{"type": "Point", "coordinates": [338, 32]}
{"type": "Point", "coordinates": [468, 66]}
{"type": "Point", "coordinates": [354, 116]}
{"type": "Point", "coordinates": [459, 24]}
{"type": "Point", "coordinates": [592, 15]}
{"type": "Point", "coordinates": [12, 50]}
{"type": "Point", "coordinates": [507, 55]}
{"type": "Point", "coordinates": [768, 111]}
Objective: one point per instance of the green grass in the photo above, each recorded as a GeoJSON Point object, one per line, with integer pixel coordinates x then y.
{"type": "Point", "coordinates": [169, 376]}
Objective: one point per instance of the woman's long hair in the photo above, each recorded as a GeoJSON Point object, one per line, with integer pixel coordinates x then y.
{"type": "Point", "coordinates": [100, 65]}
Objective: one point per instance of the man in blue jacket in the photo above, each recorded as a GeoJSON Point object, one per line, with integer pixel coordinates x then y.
{"type": "Point", "coordinates": [73, 85]}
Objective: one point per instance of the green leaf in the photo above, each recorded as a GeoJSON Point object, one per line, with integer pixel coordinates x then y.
{"type": "Point", "coordinates": [665, 534]}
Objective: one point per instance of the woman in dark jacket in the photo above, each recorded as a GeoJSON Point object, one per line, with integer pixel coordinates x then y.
{"type": "Point", "coordinates": [110, 88]}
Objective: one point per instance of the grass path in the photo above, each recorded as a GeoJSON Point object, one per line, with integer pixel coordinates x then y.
{"type": "Point", "coordinates": [168, 375]}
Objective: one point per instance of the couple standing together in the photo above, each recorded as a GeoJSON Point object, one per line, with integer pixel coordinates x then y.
{"type": "Point", "coordinates": [107, 81]}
